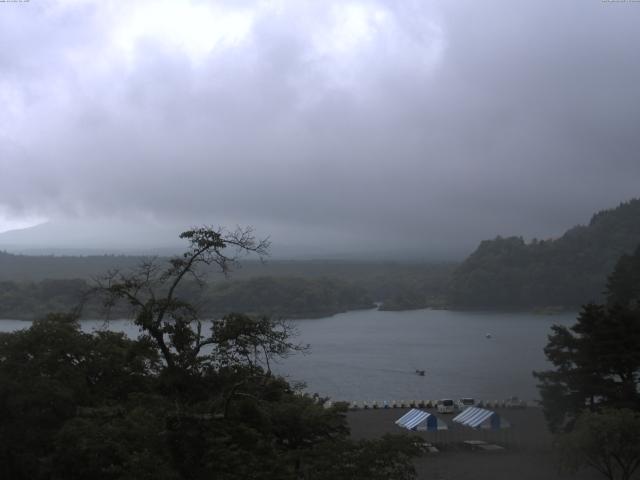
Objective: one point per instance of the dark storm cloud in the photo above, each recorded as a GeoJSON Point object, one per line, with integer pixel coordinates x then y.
{"type": "Point", "coordinates": [401, 125]}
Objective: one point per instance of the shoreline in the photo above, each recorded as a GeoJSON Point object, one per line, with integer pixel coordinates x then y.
{"type": "Point", "coordinates": [539, 311]}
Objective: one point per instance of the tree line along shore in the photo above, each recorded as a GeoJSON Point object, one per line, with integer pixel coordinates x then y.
{"type": "Point", "coordinates": [509, 273]}
{"type": "Point", "coordinates": [191, 399]}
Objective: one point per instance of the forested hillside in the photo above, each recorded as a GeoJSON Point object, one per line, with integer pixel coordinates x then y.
{"type": "Point", "coordinates": [288, 297]}
{"type": "Point", "coordinates": [32, 286]}
{"type": "Point", "coordinates": [565, 273]}
{"type": "Point", "coordinates": [18, 268]}
{"type": "Point", "coordinates": [504, 273]}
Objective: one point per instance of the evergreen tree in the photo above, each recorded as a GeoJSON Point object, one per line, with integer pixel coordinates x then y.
{"type": "Point", "coordinates": [597, 360]}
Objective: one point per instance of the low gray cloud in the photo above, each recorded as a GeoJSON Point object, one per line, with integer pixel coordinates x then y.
{"type": "Point", "coordinates": [395, 126]}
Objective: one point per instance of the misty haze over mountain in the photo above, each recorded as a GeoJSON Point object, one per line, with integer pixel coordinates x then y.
{"type": "Point", "coordinates": [369, 127]}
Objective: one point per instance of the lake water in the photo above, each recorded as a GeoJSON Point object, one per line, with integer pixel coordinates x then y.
{"type": "Point", "coordinates": [372, 355]}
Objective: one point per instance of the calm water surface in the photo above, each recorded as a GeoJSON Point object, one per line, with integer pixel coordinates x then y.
{"type": "Point", "coordinates": [372, 355]}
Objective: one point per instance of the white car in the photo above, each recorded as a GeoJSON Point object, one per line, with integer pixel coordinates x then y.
{"type": "Point", "coordinates": [446, 406]}
{"type": "Point", "coordinates": [463, 403]}
{"type": "Point", "coordinates": [515, 402]}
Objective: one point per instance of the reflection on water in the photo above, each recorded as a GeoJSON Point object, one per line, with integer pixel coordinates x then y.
{"type": "Point", "coordinates": [372, 355]}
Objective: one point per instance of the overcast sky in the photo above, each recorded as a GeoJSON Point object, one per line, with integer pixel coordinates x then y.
{"type": "Point", "coordinates": [407, 126]}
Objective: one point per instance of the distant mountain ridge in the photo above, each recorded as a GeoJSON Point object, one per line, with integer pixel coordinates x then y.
{"type": "Point", "coordinates": [36, 268]}
{"type": "Point", "coordinates": [92, 237]}
{"type": "Point", "coordinates": [31, 286]}
{"type": "Point", "coordinates": [562, 273]}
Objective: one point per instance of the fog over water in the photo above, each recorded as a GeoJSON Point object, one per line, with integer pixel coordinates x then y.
{"type": "Point", "coordinates": [414, 127]}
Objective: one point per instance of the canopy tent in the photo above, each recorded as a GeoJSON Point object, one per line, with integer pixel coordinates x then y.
{"type": "Point", "coordinates": [480, 418]}
{"type": "Point", "coordinates": [422, 421]}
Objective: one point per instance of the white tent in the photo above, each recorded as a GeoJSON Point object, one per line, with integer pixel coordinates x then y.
{"type": "Point", "coordinates": [422, 421]}
{"type": "Point", "coordinates": [480, 418]}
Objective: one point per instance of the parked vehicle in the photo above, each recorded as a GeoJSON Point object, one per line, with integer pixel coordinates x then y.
{"type": "Point", "coordinates": [446, 405]}
{"type": "Point", "coordinates": [515, 402]}
{"type": "Point", "coordinates": [463, 403]}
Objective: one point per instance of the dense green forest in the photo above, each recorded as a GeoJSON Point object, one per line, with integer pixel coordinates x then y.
{"type": "Point", "coordinates": [32, 286]}
{"type": "Point", "coordinates": [562, 273]}
{"type": "Point", "coordinates": [28, 268]}
{"type": "Point", "coordinates": [504, 273]}
{"type": "Point", "coordinates": [280, 297]}
{"type": "Point", "coordinates": [378, 274]}
{"type": "Point", "coordinates": [181, 401]}
{"type": "Point", "coordinates": [590, 396]}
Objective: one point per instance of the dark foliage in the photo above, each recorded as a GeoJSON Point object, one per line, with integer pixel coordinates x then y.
{"type": "Point", "coordinates": [306, 296]}
{"type": "Point", "coordinates": [286, 297]}
{"type": "Point", "coordinates": [606, 441]}
{"type": "Point", "coordinates": [566, 272]}
{"type": "Point", "coordinates": [188, 399]}
{"type": "Point", "coordinates": [597, 360]}
{"type": "Point", "coordinates": [623, 286]}
{"type": "Point", "coordinates": [278, 297]}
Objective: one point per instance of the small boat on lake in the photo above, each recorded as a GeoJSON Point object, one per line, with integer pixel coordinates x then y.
{"type": "Point", "coordinates": [420, 372]}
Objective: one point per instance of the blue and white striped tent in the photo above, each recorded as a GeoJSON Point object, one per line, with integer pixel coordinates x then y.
{"type": "Point", "coordinates": [480, 418]}
{"type": "Point", "coordinates": [422, 421]}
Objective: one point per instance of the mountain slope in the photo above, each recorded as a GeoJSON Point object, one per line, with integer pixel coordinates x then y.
{"type": "Point", "coordinates": [565, 272]}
